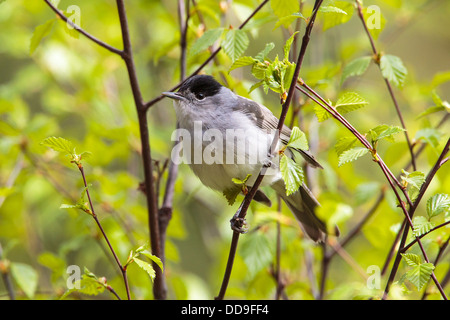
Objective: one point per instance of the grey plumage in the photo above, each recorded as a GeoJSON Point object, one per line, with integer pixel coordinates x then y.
{"type": "Point", "coordinates": [201, 98]}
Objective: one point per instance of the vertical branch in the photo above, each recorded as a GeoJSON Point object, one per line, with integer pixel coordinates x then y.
{"type": "Point", "coordinates": [165, 212]}
{"type": "Point", "coordinates": [159, 287]}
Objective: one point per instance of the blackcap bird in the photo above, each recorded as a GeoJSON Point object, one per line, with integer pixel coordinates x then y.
{"type": "Point", "coordinates": [214, 122]}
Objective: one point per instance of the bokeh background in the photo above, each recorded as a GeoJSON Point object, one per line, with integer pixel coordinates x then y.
{"type": "Point", "coordinates": [70, 87]}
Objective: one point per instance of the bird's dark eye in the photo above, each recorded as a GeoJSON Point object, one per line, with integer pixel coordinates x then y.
{"type": "Point", "coordinates": [200, 96]}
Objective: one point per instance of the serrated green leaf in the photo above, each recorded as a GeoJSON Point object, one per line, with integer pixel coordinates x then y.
{"type": "Point", "coordinates": [420, 273]}
{"type": "Point", "coordinates": [298, 140]}
{"type": "Point", "coordinates": [261, 56]}
{"type": "Point", "coordinates": [421, 225]}
{"type": "Point", "coordinates": [59, 144]}
{"type": "Point", "coordinates": [351, 155]}
{"type": "Point", "coordinates": [392, 68]}
{"type": "Point", "coordinates": [242, 62]}
{"type": "Point", "coordinates": [146, 266]}
{"type": "Point", "coordinates": [25, 276]}
{"type": "Point", "coordinates": [154, 258]}
{"type": "Point", "coordinates": [235, 43]}
{"type": "Point", "coordinates": [283, 8]}
{"type": "Point", "coordinates": [231, 194]}
{"type": "Point", "coordinates": [257, 253]}
{"type": "Point", "coordinates": [350, 101]}
{"type": "Point", "coordinates": [414, 179]}
{"type": "Point", "coordinates": [411, 259]}
{"type": "Point", "coordinates": [39, 33]}
{"type": "Point", "coordinates": [292, 174]}
{"type": "Point", "coordinates": [356, 67]}
{"type": "Point", "coordinates": [205, 41]}
{"type": "Point", "coordinates": [437, 204]}
{"type": "Point", "coordinates": [90, 285]}
{"type": "Point", "coordinates": [385, 132]}
{"type": "Point", "coordinates": [287, 46]}
{"type": "Point", "coordinates": [343, 144]}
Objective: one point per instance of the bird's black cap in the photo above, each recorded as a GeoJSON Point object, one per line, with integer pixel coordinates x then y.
{"type": "Point", "coordinates": [204, 84]}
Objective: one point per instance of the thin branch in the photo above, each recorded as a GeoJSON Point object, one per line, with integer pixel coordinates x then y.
{"type": "Point", "coordinates": [387, 173]}
{"type": "Point", "coordinates": [422, 190]}
{"type": "Point", "coordinates": [80, 30]}
{"type": "Point", "coordinates": [388, 83]}
{"type": "Point", "coordinates": [242, 211]}
{"type": "Point", "coordinates": [122, 269]}
{"type": "Point", "coordinates": [159, 286]}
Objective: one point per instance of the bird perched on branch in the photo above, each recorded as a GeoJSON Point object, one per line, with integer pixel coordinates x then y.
{"type": "Point", "coordinates": [227, 137]}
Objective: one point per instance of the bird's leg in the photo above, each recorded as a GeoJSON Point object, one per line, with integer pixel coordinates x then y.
{"type": "Point", "coordinates": [237, 223]}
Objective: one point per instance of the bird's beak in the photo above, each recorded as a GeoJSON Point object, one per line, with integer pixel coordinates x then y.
{"type": "Point", "coordinates": [174, 95]}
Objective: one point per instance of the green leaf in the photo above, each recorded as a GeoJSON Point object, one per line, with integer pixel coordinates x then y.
{"type": "Point", "coordinates": [287, 46]}
{"type": "Point", "coordinates": [420, 272]}
{"type": "Point", "coordinates": [392, 68]}
{"type": "Point", "coordinates": [356, 67]}
{"type": "Point", "coordinates": [338, 13]}
{"type": "Point", "coordinates": [298, 140]}
{"type": "Point", "coordinates": [351, 155]}
{"type": "Point", "coordinates": [257, 253]}
{"type": "Point", "coordinates": [374, 19]}
{"type": "Point", "coordinates": [241, 182]}
{"type": "Point", "coordinates": [350, 101]}
{"type": "Point", "coordinates": [414, 179]}
{"type": "Point", "coordinates": [287, 20]}
{"type": "Point", "coordinates": [154, 258]}
{"type": "Point", "coordinates": [292, 174]}
{"type": "Point", "coordinates": [242, 62]}
{"type": "Point", "coordinates": [421, 225]}
{"type": "Point", "coordinates": [231, 194]}
{"type": "Point", "coordinates": [384, 132]}
{"type": "Point", "coordinates": [25, 277]}
{"type": "Point", "coordinates": [343, 144]}
{"type": "Point", "coordinates": [146, 266]}
{"type": "Point", "coordinates": [261, 56]}
{"type": "Point", "coordinates": [59, 144]}
{"type": "Point", "coordinates": [283, 8]}
{"type": "Point", "coordinates": [429, 135]}
{"type": "Point", "coordinates": [439, 106]}
{"type": "Point", "coordinates": [235, 43]}
{"type": "Point", "coordinates": [437, 204]}
{"type": "Point", "coordinates": [39, 33]}
{"type": "Point", "coordinates": [205, 41]}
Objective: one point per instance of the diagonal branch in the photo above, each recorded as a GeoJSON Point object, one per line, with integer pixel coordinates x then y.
{"type": "Point", "coordinates": [86, 34]}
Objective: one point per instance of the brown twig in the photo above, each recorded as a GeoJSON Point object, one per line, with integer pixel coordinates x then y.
{"type": "Point", "coordinates": [97, 221]}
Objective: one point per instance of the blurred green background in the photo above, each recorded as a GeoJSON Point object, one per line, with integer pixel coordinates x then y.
{"type": "Point", "coordinates": [72, 88]}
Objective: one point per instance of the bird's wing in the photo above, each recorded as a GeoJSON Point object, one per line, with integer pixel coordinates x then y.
{"type": "Point", "coordinates": [265, 119]}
